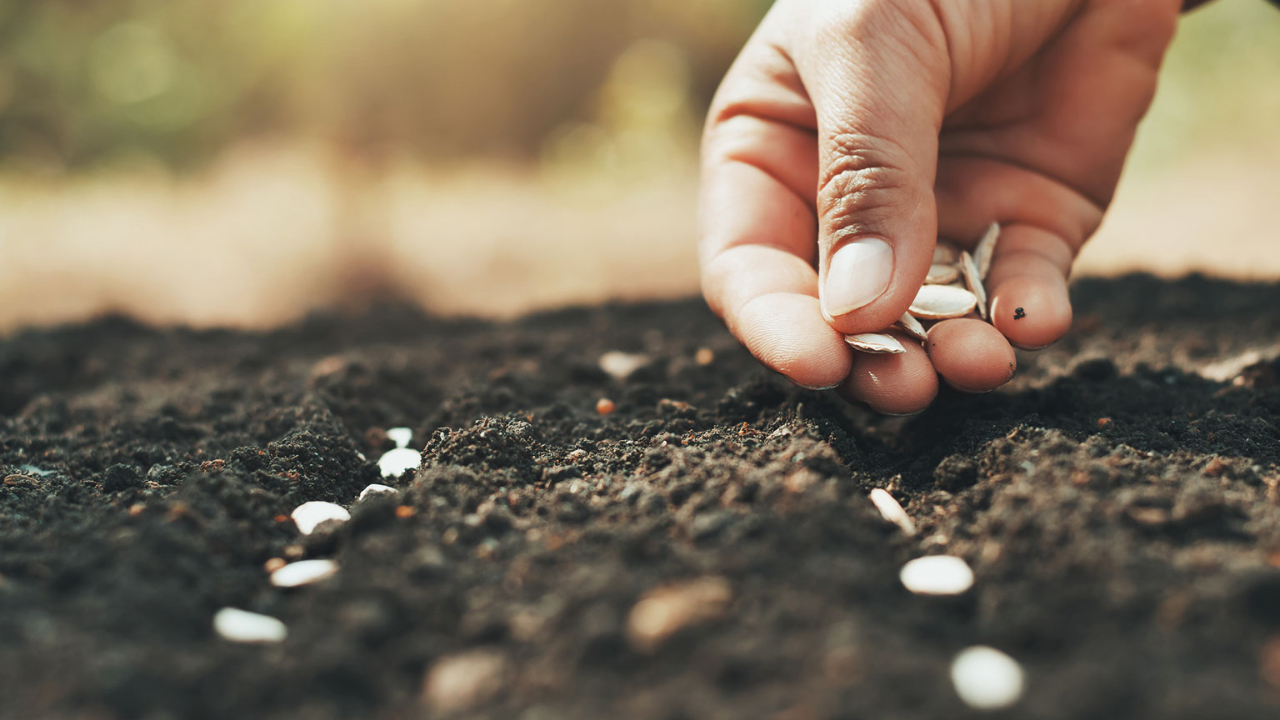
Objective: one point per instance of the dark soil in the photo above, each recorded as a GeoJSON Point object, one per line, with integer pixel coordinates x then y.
{"type": "Point", "coordinates": [1119, 509]}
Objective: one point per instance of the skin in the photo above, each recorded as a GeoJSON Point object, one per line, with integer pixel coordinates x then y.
{"type": "Point", "coordinates": [909, 120]}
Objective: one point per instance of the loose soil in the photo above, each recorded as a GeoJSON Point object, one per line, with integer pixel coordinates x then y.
{"type": "Point", "coordinates": [1119, 509]}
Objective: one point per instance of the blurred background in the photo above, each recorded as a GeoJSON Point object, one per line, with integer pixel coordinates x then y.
{"type": "Point", "coordinates": [244, 161]}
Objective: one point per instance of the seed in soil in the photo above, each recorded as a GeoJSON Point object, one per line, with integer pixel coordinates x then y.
{"type": "Point", "coordinates": [458, 682]}
{"type": "Point", "coordinates": [620, 365]}
{"type": "Point", "coordinates": [875, 343]}
{"type": "Point", "coordinates": [987, 679]}
{"type": "Point", "coordinates": [402, 459]}
{"type": "Point", "coordinates": [704, 356]}
{"type": "Point", "coordinates": [246, 627]}
{"type": "Point", "coordinates": [937, 575]}
{"type": "Point", "coordinates": [376, 489]}
{"type": "Point", "coordinates": [974, 281]}
{"type": "Point", "coordinates": [273, 564]}
{"type": "Point", "coordinates": [940, 302]}
{"type": "Point", "coordinates": [890, 510]}
{"type": "Point", "coordinates": [303, 572]}
{"type": "Point", "coordinates": [941, 275]}
{"type": "Point", "coordinates": [604, 406]}
{"type": "Point", "coordinates": [912, 326]}
{"type": "Point", "coordinates": [665, 611]}
{"type": "Point", "coordinates": [309, 515]}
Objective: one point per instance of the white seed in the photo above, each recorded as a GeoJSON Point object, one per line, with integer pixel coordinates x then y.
{"type": "Point", "coordinates": [620, 365]}
{"type": "Point", "coordinates": [937, 575]}
{"type": "Point", "coordinates": [973, 279]}
{"type": "Point", "coordinates": [875, 343]}
{"type": "Point", "coordinates": [986, 250]}
{"type": "Point", "coordinates": [309, 515]}
{"type": "Point", "coordinates": [394, 463]}
{"type": "Point", "coordinates": [664, 611]}
{"type": "Point", "coordinates": [945, 252]}
{"type": "Point", "coordinates": [245, 627]}
{"type": "Point", "coordinates": [941, 274]}
{"type": "Point", "coordinates": [987, 679]}
{"type": "Point", "coordinates": [890, 510]}
{"type": "Point", "coordinates": [401, 436]}
{"type": "Point", "coordinates": [462, 681]}
{"type": "Point", "coordinates": [912, 326]}
{"type": "Point", "coordinates": [376, 489]}
{"type": "Point", "coordinates": [303, 572]}
{"type": "Point", "coordinates": [939, 302]}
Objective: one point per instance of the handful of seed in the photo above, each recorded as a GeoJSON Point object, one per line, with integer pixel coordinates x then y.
{"type": "Point", "coordinates": [952, 289]}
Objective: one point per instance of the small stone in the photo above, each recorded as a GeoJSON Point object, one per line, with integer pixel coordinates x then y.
{"type": "Point", "coordinates": [942, 274]}
{"type": "Point", "coordinates": [462, 681]}
{"type": "Point", "coordinates": [937, 575]}
{"type": "Point", "coordinates": [704, 356]}
{"type": "Point", "coordinates": [875, 343]}
{"type": "Point", "coordinates": [620, 365]}
{"type": "Point", "coordinates": [985, 250]}
{"type": "Point", "coordinates": [890, 510]}
{"type": "Point", "coordinates": [274, 564]}
{"type": "Point", "coordinates": [376, 489]}
{"type": "Point", "coordinates": [303, 572]}
{"type": "Point", "coordinates": [605, 406]}
{"type": "Point", "coordinates": [912, 326]}
{"type": "Point", "coordinates": [245, 627]}
{"type": "Point", "coordinates": [974, 281]}
{"type": "Point", "coordinates": [309, 515]}
{"type": "Point", "coordinates": [665, 611]}
{"type": "Point", "coordinates": [395, 463]}
{"type": "Point", "coordinates": [987, 679]}
{"type": "Point", "coordinates": [401, 436]}
{"type": "Point", "coordinates": [939, 302]}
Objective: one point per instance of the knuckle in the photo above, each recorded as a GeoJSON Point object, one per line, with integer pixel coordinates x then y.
{"type": "Point", "coordinates": [861, 186]}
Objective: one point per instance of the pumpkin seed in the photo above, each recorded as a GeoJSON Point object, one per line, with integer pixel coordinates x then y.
{"type": "Point", "coordinates": [986, 250]}
{"type": "Point", "coordinates": [875, 343]}
{"type": "Point", "coordinates": [973, 279]}
{"type": "Point", "coordinates": [939, 302]}
{"type": "Point", "coordinates": [941, 274]}
{"type": "Point", "coordinates": [912, 326]}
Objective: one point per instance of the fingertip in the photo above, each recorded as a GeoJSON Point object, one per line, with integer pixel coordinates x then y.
{"type": "Point", "coordinates": [787, 333]}
{"type": "Point", "coordinates": [1032, 312]}
{"type": "Point", "coordinates": [902, 384]}
{"type": "Point", "coordinates": [971, 355]}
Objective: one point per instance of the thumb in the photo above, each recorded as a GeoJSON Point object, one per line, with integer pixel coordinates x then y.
{"type": "Point", "coordinates": [878, 81]}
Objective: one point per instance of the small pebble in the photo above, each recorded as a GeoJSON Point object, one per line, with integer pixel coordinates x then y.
{"type": "Point", "coordinates": [987, 679]}
{"type": "Point", "coordinates": [309, 515]}
{"type": "Point", "coordinates": [376, 489]}
{"type": "Point", "coordinates": [303, 572]}
{"type": "Point", "coordinates": [664, 611]}
{"type": "Point", "coordinates": [704, 356]}
{"type": "Point", "coordinates": [937, 575]}
{"type": "Point", "coordinates": [604, 406]}
{"type": "Point", "coordinates": [274, 564]}
{"type": "Point", "coordinates": [245, 627]}
{"type": "Point", "coordinates": [890, 510]}
{"type": "Point", "coordinates": [395, 463]}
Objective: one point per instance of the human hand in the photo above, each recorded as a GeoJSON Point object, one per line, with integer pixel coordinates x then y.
{"type": "Point", "coordinates": [850, 134]}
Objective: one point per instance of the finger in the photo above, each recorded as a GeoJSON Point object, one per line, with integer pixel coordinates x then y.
{"type": "Point", "coordinates": [902, 384]}
{"type": "Point", "coordinates": [1030, 304]}
{"type": "Point", "coordinates": [757, 227]}
{"type": "Point", "coordinates": [878, 81]}
{"type": "Point", "coordinates": [970, 355]}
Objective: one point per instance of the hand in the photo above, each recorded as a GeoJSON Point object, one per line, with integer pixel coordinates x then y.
{"type": "Point", "coordinates": [850, 134]}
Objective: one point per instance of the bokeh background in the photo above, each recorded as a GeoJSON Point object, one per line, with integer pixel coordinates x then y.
{"type": "Point", "coordinates": [244, 161]}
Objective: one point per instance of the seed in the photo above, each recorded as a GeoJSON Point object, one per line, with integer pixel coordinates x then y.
{"type": "Point", "coordinates": [273, 564]}
{"type": "Point", "coordinates": [704, 356]}
{"type": "Point", "coordinates": [875, 343]}
{"type": "Point", "coordinates": [604, 406]}
{"type": "Point", "coordinates": [939, 302]}
{"type": "Point", "coordinates": [986, 250]}
{"type": "Point", "coordinates": [246, 627]}
{"type": "Point", "coordinates": [303, 572]}
{"type": "Point", "coordinates": [620, 365]}
{"type": "Point", "coordinates": [945, 253]}
{"type": "Point", "coordinates": [987, 679]}
{"type": "Point", "coordinates": [941, 274]}
{"type": "Point", "coordinates": [937, 575]}
{"type": "Point", "coordinates": [395, 463]}
{"type": "Point", "coordinates": [664, 611]}
{"type": "Point", "coordinates": [890, 510]}
{"type": "Point", "coordinates": [309, 515]}
{"type": "Point", "coordinates": [973, 279]}
{"type": "Point", "coordinates": [912, 326]}
{"type": "Point", "coordinates": [459, 682]}
{"type": "Point", "coordinates": [401, 436]}
{"type": "Point", "coordinates": [375, 489]}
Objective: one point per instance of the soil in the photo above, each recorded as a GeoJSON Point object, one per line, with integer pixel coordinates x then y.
{"type": "Point", "coordinates": [1118, 502]}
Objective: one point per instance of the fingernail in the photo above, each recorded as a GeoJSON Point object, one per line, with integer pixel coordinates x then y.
{"type": "Point", "coordinates": [858, 273]}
